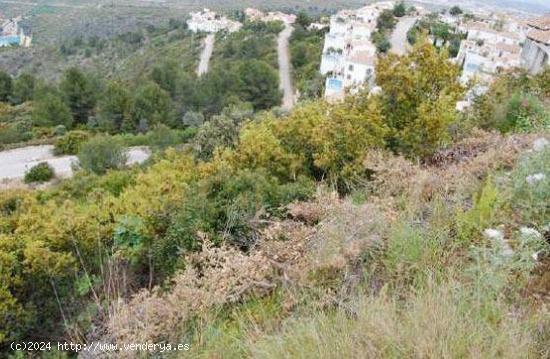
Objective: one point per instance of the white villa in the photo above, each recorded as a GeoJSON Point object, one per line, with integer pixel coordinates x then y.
{"type": "Point", "coordinates": [349, 56]}
{"type": "Point", "coordinates": [209, 21]}
{"type": "Point", "coordinates": [487, 52]}
{"type": "Point", "coordinates": [257, 15]}
{"type": "Point", "coordinates": [536, 50]}
{"type": "Point", "coordinates": [12, 35]}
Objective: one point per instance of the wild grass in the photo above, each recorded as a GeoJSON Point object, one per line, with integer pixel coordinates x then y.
{"type": "Point", "coordinates": [440, 321]}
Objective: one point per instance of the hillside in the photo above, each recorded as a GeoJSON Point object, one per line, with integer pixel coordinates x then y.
{"type": "Point", "coordinates": [440, 260]}
{"type": "Point", "coordinates": [386, 225]}
{"type": "Point", "coordinates": [125, 54]}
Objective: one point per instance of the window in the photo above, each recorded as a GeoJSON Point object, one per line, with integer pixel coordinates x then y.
{"type": "Point", "coordinates": [350, 67]}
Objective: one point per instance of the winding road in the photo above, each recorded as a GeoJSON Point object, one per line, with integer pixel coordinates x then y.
{"type": "Point", "coordinates": [206, 54]}
{"type": "Point", "coordinates": [284, 67]}
{"type": "Point", "coordinates": [399, 43]}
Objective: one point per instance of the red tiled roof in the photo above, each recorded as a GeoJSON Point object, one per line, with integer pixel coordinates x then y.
{"type": "Point", "coordinates": [541, 23]}
{"type": "Point", "coordinates": [539, 36]}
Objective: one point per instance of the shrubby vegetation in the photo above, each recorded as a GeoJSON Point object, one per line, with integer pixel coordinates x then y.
{"type": "Point", "coordinates": [444, 36]}
{"type": "Point", "coordinates": [515, 103]}
{"type": "Point", "coordinates": [282, 235]}
{"type": "Point", "coordinates": [419, 99]}
{"type": "Point", "coordinates": [101, 154]}
{"type": "Point", "coordinates": [70, 143]}
{"type": "Point", "coordinates": [385, 24]}
{"type": "Point", "coordinates": [42, 172]}
{"type": "Point", "coordinates": [306, 47]}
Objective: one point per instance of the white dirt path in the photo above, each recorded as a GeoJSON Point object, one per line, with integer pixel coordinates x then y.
{"type": "Point", "coordinates": [285, 67]}
{"type": "Point", "coordinates": [206, 54]}
{"type": "Point", "coordinates": [399, 43]}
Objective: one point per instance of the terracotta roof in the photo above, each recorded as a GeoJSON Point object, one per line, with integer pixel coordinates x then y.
{"type": "Point", "coordinates": [539, 36]}
{"type": "Point", "coordinates": [363, 57]}
{"type": "Point", "coordinates": [541, 23]}
{"type": "Point", "coordinates": [508, 48]}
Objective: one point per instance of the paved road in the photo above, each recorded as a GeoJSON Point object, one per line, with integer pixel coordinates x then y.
{"type": "Point", "coordinates": [14, 163]}
{"type": "Point", "coordinates": [399, 43]}
{"type": "Point", "coordinates": [206, 54]}
{"type": "Point", "coordinates": [284, 67]}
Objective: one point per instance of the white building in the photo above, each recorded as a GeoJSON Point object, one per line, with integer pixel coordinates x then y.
{"type": "Point", "coordinates": [257, 15]}
{"type": "Point", "coordinates": [209, 21]}
{"type": "Point", "coordinates": [479, 31]}
{"type": "Point", "coordinates": [317, 26]}
{"type": "Point", "coordinates": [487, 52]}
{"type": "Point", "coordinates": [349, 56]}
{"type": "Point", "coordinates": [12, 35]}
{"type": "Point", "coordinates": [535, 54]}
{"type": "Point", "coordinates": [359, 69]}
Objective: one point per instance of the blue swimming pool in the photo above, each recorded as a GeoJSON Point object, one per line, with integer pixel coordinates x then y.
{"type": "Point", "coordinates": [335, 84]}
{"type": "Point", "coordinates": [9, 40]}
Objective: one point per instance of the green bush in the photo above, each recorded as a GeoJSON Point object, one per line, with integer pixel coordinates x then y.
{"type": "Point", "coordinates": [524, 113]}
{"type": "Point", "coordinates": [159, 138]}
{"type": "Point", "coordinates": [162, 137]}
{"type": "Point", "coordinates": [226, 206]}
{"type": "Point", "coordinates": [101, 154]}
{"type": "Point", "coordinates": [13, 133]}
{"type": "Point", "coordinates": [50, 110]}
{"type": "Point", "coordinates": [42, 172]}
{"type": "Point", "coordinates": [399, 9]}
{"type": "Point", "coordinates": [70, 143]}
{"type": "Point", "coordinates": [60, 130]}
{"type": "Point", "coordinates": [531, 187]}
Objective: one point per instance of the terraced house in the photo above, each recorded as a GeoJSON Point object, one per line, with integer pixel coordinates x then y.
{"type": "Point", "coordinates": [487, 51]}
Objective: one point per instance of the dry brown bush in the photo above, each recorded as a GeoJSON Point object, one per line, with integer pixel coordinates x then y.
{"type": "Point", "coordinates": [286, 255]}
{"type": "Point", "coordinates": [450, 172]}
{"type": "Point", "coordinates": [214, 277]}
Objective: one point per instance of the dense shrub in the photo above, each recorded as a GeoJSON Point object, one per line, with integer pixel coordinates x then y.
{"type": "Point", "coordinates": [59, 130]}
{"type": "Point", "coordinates": [418, 99]}
{"type": "Point", "coordinates": [70, 143]}
{"type": "Point", "coordinates": [14, 133]}
{"type": "Point", "coordinates": [523, 113]}
{"type": "Point", "coordinates": [531, 187]}
{"type": "Point", "coordinates": [514, 103]}
{"type": "Point", "coordinates": [42, 172]}
{"type": "Point", "coordinates": [6, 86]}
{"type": "Point", "coordinates": [50, 110]}
{"type": "Point", "coordinates": [162, 137]}
{"type": "Point", "coordinates": [228, 206]}
{"type": "Point", "coordinates": [102, 153]}
{"type": "Point", "coordinates": [305, 50]}
{"type": "Point", "coordinates": [221, 131]}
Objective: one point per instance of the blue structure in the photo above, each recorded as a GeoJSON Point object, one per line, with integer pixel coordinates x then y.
{"type": "Point", "coordinates": [9, 40]}
{"type": "Point", "coordinates": [334, 84]}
